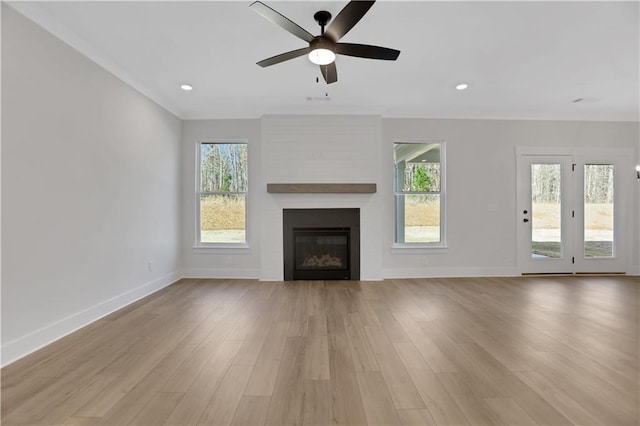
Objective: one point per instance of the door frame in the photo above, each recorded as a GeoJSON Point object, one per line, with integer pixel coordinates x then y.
{"type": "Point", "coordinates": [623, 181]}
{"type": "Point", "coordinates": [527, 263]}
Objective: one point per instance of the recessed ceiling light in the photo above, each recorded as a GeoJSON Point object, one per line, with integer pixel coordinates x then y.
{"type": "Point", "coordinates": [186, 87]}
{"type": "Point", "coordinates": [462, 86]}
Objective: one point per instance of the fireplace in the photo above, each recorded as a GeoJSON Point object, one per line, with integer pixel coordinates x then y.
{"type": "Point", "coordinates": [321, 244]}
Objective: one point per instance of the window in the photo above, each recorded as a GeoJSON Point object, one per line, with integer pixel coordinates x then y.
{"type": "Point", "coordinates": [222, 193]}
{"type": "Point", "coordinates": [419, 192]}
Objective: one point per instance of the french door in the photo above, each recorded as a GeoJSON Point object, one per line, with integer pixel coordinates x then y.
{"type": "Point", "coordinates": [569, 216]}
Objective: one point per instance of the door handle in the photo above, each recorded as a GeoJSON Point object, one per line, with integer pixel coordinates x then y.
{"type": "Point", "coordinates": [525, 220]}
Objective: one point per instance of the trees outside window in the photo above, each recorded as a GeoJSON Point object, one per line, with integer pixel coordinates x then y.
{"type": "Point", "coordinates": [222, 193]}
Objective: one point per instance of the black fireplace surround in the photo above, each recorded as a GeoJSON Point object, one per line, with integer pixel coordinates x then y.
{"type": "Point", "coordinates": [321, 244]}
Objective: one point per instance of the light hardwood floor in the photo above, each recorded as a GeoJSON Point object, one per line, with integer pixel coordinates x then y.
{"type": "Point", "coordinates": [466, 351]}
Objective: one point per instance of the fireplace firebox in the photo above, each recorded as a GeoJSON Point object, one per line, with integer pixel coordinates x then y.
{"type": "Point", "coordinates": [321, 244]}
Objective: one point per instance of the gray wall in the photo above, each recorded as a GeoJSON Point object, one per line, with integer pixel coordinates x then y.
{"type": "Point", "coordinates": [481, 187]}
{"type": "Point", "coordinates": [228, 263]}
{"type": "Point", "coordinates": [90, 190]}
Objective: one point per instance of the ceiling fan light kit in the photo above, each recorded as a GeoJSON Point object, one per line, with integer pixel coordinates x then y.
{"type": "Point", "coordinates": [322, 52]}
{"type": "Point", "coordinates": [323, 48]}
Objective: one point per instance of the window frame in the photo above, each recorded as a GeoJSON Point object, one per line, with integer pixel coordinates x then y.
{"type": "Point", "coordinates": [442, 244]}
{"type": "Point", "coordinates": [199, 244]}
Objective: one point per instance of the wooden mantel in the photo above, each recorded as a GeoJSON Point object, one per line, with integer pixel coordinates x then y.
{"type": "Point", "coordinates": [321, 188]}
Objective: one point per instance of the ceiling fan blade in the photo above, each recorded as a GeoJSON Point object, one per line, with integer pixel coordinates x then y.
{"type": "Point", "coordinates": [283, 57]}
{"type": "Point", "coordinates": [282, 21]}
{"type": "Point", "coordinates": [367, 51]}
{"type": "Point", "coordinates": [329, 72]}
{"type": "Point", "coordinates": [347, 18]}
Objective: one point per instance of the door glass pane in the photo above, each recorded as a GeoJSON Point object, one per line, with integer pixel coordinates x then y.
{"type": "Point", "coordinates": [598, 210]}
{"type": "Point", "coordinates": [546, 219]}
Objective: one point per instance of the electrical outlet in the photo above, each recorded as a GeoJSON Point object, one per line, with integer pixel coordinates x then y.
{"type": "Point", "coordinates": [150, 265]}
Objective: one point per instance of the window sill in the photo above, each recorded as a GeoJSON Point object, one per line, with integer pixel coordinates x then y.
{"type": "Point", "coordinates": [221, 248]}
{"type": "Point", "coordinates": [397, 248]}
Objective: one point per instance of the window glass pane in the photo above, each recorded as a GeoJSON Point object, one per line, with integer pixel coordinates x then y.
{"type": "Point", "coordinates": [546, 213]}
{"type": "Point", "coordinates": [598, 210]}
{"type": "Point", "coordinates": [417, 167]}
{"type": "Point", "coordinates": [223, 167]}
{"type": "Point", "coordinates": [222, 218]}
{"type": "Point", "coordinates": [418, 218]}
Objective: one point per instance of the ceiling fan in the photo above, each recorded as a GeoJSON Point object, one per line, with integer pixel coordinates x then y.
{"type": "Point", "coordinates": [323, 48]}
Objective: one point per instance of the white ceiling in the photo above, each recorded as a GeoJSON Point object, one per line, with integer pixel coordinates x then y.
{"type": "Point", "coordinates": [525, 60]}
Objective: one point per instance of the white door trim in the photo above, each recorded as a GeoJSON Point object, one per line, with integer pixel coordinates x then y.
{"type": "Point", "coordinates": [622, 158]}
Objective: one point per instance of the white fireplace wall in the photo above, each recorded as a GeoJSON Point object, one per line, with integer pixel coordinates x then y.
{"type": "Point", "coordinates": [320, 149]}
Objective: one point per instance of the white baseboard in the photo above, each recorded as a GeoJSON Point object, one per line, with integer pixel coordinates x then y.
{"type": "Point", "coordinates": [634, 270]}
{"type": "Point", "coordinates": [245, 274]}
{"type": "Point", "coordinates": [430, 272]}
{"type": "Point", "coordinates": [271, 279]}
{"type": "Point", "coordinates": [23, 346]}
{"type": "Point", "coordinates": [376, 278]}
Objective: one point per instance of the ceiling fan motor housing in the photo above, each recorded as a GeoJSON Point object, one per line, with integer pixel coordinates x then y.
{"type": "Point", "coordinates": [321, 42]}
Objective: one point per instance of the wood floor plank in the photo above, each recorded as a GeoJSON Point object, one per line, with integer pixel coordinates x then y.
{"type": "Point", "coordinates": [316, 358]}
{"type": "Point", "coordinates": [437, 361]}
{"type": "Point", "coordinates": [287, 400]}
{"type": "Point", "coordinates": [156, 411]}
{"type": "Point", "coordinates": [78, 398]}
{"type": "Point", "coordinates": [46, 402]}
{"type": "Point", "coordinates": [226, 399]}
{"type": "Point", "coordinates": [132, 374]}
{"type": "Point", "coordinates": [378, 404]}
{"type": "Point", "coordinates": [606, 401]}
{"type": "Point", "coordinates": [509, 412]}
{"type": "Point", "coordinates": [252, 411]}
{"type": "Point", "coordinates": [345, 391]}
{"type": "Point", "coordinates": [469, 402]}
{"type": "Point", "coordinates": [264, 375]}
{"type": "Point", "coordinates": [439, 403]}
{"type": "Point", "coordinates": [114, 392]}
{"type": "Point", "coordinates": [316, 325]}
{"type": "Point", "coordinates": [401, 387]}
{"type": "Point", "coordinates": [558, 399]}
{"type": "Point", "coordinates": [255, 338]}
{"type": "Point", "coordinates": [555, 351]}
{"type": "Point", "coordinates": [18, 393]}
{"type": "Point", "coordinates": [190, 408]}
{"type": "Point", "coordinates": [388, 322]}
{"type": "Point", "coordinates": [317, 406]}
{"type": "Point", "coordinates": [81, 421]}
{"type": "Point", "coordinates": [126, 409]}
{"type": "Point", "coordinates": [363, 356]}
{"type": "Point", "coordinates": [415, 418]}
{"type": "Point", "coordinates": [477, 370]}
